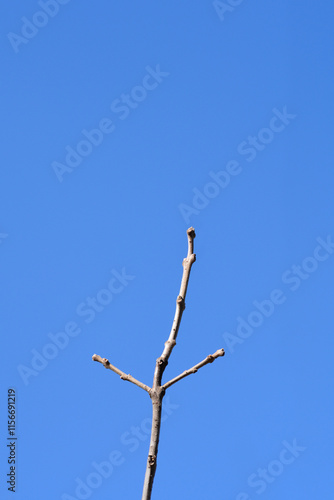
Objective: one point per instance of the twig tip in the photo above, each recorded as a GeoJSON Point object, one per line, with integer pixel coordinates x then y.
{"type": "Point", "coordinates": [191, 232]}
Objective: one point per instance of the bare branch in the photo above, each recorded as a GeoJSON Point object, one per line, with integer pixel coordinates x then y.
{"type": "Point", "coordinates": [151, 465]}
{"type": "Point", "coordinates": [158, 392]}
{"type": "Point", "coordinates": [124, 376]}
{"type": "Point", "coordinates": [180, 301]}
{"type": "Point", "coordinates": [194, 369]}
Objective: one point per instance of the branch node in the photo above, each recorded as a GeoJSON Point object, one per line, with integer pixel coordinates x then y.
{"type": "Point", "coordinates": [180, 301]}
{"type": "Point", "coordinates": [172, 342]}
{"type": "Point", "coordinates": [188, 261]}
{"type": "Point", "coordinates": [151, 460]}
{"type": "Point", "coordinates": [162, 361]}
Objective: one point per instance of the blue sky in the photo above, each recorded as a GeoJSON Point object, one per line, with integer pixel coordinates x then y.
{"type": "Point", "coordinates": [124, 124]}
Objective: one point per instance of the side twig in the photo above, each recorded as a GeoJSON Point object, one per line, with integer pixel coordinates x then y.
{"type": "Point", "coordinates": [194, 369]}
{"type": "Point", "coordinates": [124, 376]}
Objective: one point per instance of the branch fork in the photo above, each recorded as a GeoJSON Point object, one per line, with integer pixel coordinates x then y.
{"type": "Point", "coordinates": [157, 391]}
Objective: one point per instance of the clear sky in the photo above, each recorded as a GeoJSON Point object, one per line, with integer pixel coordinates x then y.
{"type": "Point", "coordinates": [124, 123]}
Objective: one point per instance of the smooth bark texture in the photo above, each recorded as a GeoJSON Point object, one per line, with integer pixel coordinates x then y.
{"type": "Point", "coordinates": [194, 369]}
{"type": "Point", "coordinates": [124, 376]}
{"type": "Point", "coordinates": [157, 391]}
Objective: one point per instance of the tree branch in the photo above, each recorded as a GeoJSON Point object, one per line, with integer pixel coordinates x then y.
{"type": "Point", "coordinates": [151, 465]}
{"type": "Point", "coordinates": [157, 391]}
{"type": "Point", "coordinates": [194, 369]}
{"type": "Point", "coordinates": [124, 376]}
{"type": "Point", "coordinates": [180, 301]}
